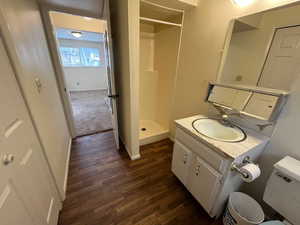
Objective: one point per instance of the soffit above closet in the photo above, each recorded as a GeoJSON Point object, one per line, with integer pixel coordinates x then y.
{"type": "Point", "coordinates": [91, 7]}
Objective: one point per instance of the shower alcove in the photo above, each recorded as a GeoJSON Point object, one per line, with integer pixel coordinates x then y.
{"type": "Point", "coordinates": [160, 33]}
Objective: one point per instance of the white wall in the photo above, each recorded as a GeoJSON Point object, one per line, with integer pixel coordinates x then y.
{"type": "Point", "coordinates": [148, 76]}
{"type": "Point", "coordinates": [204, 33]}
{"type": "Point", "coordinates": [24, 35]}
{"type": "Point", "coordinates": [64, 20]}
{"type": "Point", "coordinates": [148, 95]}
{"type": "Point", "coordinates": [125, 33]}
{"type": "Point", "coordinates": [85, 78]}
{"type": "Point", "coordinates": [166, 53]}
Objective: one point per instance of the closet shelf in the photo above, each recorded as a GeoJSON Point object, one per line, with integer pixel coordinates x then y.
{"type": "Point", "coordinates": [150, 20]}
{"type": "Point", "coordinates": [159, 12]}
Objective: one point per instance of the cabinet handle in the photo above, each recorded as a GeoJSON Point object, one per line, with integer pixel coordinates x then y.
{"type": "Point", "coordinates": [8, 159]}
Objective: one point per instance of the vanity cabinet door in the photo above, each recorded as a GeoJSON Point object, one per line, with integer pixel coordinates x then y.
{"type": "Point", "coordinates": [181, 161]}
{"type": "Point", "coordinates": [204, 183]}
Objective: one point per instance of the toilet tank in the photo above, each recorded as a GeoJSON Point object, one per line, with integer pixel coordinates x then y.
{"type": "Point", "coordinates": [282, 191]}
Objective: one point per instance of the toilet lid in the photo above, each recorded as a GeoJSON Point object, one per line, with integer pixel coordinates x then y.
{"type": "Point", "coordinates": [274, 222]}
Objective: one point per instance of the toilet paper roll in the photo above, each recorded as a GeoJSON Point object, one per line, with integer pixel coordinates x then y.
{"type": "Point", "coordinates": [252, 170]}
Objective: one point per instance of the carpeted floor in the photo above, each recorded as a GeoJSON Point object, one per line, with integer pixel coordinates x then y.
{"type": "Point", "coordinates": [91, 113]}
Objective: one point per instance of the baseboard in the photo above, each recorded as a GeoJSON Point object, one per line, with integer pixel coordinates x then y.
{"type": "Point", "coordinates": [67, 166]}
{"type": "Point", "coordinates": [132, 157]}
{"type": "Point", "coordinates": [79, 90]}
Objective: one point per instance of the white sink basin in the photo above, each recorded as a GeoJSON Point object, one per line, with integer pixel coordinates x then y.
{"type": "Point", "coordinates": [213, 129]}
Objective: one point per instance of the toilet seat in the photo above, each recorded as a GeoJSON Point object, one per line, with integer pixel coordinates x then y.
{"type": "Point", "coordinates": [273, 222]}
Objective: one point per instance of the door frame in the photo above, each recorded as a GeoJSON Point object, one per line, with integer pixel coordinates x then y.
{"type": "Point", "coordinates": [269, 46]}
{"type": "Point", "coordinates": [60, 75]}
{"type": "Point", "coordinates": [59, 72]}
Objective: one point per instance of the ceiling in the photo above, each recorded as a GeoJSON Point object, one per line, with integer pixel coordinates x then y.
{"type": "Point", "coordinates": [95, 8]}
{"type": "Point", "coordinates": [91, 7]}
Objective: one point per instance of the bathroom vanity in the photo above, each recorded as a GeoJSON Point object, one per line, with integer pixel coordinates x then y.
{"type": "Point", "coordinates": [252, 87]}
{"type": "Point", "coordinates": [203, 164]}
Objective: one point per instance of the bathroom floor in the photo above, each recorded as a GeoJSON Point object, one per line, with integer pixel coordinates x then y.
{"type": "Point", "coordinates": [106, 188]}
{"type": "Point", "coordinates": [91, 113]}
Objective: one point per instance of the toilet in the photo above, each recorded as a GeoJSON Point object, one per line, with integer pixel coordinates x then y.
{"type": "Point", "coordinates": [282, 191]}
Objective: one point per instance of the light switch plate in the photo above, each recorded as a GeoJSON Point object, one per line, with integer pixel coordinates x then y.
{"type": "Point", "coordinates": [38, 84]}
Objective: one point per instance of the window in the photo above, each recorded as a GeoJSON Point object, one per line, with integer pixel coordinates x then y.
{"type": "Point", "coordinates": [81, 57]}
{"type": "Point", "coordinates": [70, 56]}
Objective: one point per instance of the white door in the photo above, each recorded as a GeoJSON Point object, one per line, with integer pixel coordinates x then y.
{"type": "Point", "coordinates": [27, 191]}
{"type": "Point", "coordinates": [204, 183]}
{"type": "Point", "coordinates": [282, 64]}
{"type": "Point", "coordinates": [23, 32]}
{"type": "Point", "coordinates": [112, 94]}
{"type": "Point", "coordinates": [181, 162]}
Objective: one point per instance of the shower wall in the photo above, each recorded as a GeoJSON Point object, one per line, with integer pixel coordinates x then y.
{"type": "Point", "coordinates": [148, 76]}
{"type": "Point", "coordinates": [158, 60]}
{"type": "Point", "coordinates": [165, 61]}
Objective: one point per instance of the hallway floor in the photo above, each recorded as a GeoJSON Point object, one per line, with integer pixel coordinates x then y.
{"type": "Point", "coordinates": [91, 113]}
{"type": "Point", "coordinates": [106, 188]}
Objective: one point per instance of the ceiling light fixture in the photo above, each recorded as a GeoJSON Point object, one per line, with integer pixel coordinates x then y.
{"type": "Point", "coordinates": [76, 34]}
{"type": "Point", "coordinates": [242, 2]}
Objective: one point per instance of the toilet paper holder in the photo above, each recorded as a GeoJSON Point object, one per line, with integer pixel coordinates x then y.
{"type": "Point", "coordinates": [237, 167]}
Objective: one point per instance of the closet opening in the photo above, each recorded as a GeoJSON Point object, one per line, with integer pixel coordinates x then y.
{"type": "Point", "coordinates": [160, 33]}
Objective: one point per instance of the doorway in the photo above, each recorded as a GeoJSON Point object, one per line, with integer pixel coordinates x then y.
{"type": "Point", "coordinates": [282, 60]}
{"type": "Point", "coordinates": [83, 51]}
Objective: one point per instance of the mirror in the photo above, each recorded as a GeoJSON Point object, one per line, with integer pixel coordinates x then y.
{"type": "Point", "coordinates": [263, 50]}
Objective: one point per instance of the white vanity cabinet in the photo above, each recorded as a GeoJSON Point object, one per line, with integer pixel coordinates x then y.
{"type": "Point", "coordinates": [199, 168]}
{"type": "Point", "coordinates": [204, 182]}
{"type": "Point", "coordinates": [181, 161]}
{"type": "Point", "coordinates": [203, 164]}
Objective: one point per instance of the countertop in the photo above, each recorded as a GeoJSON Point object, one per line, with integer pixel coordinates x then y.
{"type": "Point", "coordinates": [233, 150]}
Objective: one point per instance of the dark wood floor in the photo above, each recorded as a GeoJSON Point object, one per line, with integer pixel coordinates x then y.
{"type": "Point", "coordinates": [106, 188]}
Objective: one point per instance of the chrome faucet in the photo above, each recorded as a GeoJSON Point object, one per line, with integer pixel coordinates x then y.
{"type": "Point", "coordinates": [225, 119]}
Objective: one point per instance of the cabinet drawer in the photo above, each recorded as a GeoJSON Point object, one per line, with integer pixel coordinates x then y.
{"type": "Point", "coordinates": [207, 154]}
